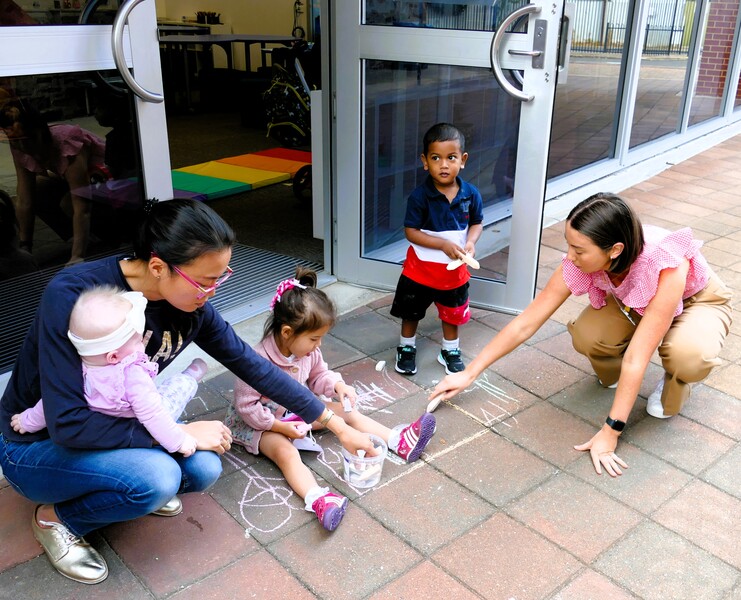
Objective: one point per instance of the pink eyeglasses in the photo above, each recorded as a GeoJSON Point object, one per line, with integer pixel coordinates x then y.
{"type": "Point", "coordinates": [202, 291]}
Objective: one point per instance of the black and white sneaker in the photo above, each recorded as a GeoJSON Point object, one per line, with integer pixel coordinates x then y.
{"type": "Point", "coordinates": [451, 360]}
{"type": "Point", "coordinates": [406, 360]}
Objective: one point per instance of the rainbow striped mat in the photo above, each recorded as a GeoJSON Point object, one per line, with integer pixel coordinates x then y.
{"type": "Point", "coordinates": [227, 176]}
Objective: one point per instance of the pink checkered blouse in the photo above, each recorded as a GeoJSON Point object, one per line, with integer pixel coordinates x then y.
{"type": "Point", "coordinates": [663, 250]}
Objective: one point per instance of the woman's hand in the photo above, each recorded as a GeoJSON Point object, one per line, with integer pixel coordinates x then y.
{"type": "Point", "coordinates": [210, 435]}
{"type": "Point", "coordinates": [452, 385]}
{"type": "Point", "coordinates": [602, 450]}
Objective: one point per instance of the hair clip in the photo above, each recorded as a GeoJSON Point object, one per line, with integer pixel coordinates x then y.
{"type": "Point", "coordinates": [283, 287]}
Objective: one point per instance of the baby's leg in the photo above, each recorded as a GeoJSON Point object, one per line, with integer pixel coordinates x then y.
{"type": "Point", "coordinates": [178, 390]}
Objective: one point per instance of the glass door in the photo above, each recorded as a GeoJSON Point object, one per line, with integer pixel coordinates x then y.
{"type": "Point", "coordinates": [83, 123]}
{"type": "Point", "coordinates": [490, 68]}
{"type": "Point", "coordinates": [83, 141]}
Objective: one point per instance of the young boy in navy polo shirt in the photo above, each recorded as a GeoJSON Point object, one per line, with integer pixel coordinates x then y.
{"type": "Point", "coordinates": [442, 223]}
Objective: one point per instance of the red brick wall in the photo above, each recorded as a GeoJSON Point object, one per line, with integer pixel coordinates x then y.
{"type": "Point", "coordinates": [717, 48]}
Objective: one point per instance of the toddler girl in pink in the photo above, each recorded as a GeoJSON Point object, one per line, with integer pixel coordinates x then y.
{"type": "Point", "coordinates": [301, 316]}
{"type": "Point", "coordinates": [106, 327]}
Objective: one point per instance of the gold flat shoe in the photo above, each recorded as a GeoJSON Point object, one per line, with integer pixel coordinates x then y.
{"type": "Point", "coordinates": [72, 556]}
{"type": "Point", "coordinates": [172, 508]}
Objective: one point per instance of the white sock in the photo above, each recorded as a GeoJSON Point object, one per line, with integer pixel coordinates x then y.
{"type": "Point", "coordinates": [197, 369]}
{"type": "Point", "coordinates": [313, 495]}
{"type": "Point", "coordinates": [410, 341]}
{"type": "Point", "coordinates": [451, 344]}
{"type": "Point", "coordinates": [395, 438]}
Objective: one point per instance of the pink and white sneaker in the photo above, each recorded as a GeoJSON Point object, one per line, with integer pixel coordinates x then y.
{"type": "Point", "coordinates": [330, 509]}
{"type": "Point", "coordinates": [413, 439]}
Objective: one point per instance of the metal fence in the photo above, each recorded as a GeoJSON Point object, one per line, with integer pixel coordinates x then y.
{"type": "Point", "coordinates": [601, 26]}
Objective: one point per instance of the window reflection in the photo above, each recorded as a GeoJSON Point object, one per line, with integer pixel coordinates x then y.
{"type": "Point", "coordinates": [474, 15]}
{"type": "Point", "coordinates": [586, 103]}
{"type": "Point", "coordinates": [718, 33]}
{"type": "Point", "coordinates": [57, 12]}
{"type": "Point", "coordinates": [664, 65]}
{"type": "Point", "coordinates": [70, 168]}
{"type": "Point", "coordinates": [402, 100]}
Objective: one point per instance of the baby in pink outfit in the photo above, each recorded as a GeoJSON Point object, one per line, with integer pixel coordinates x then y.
{"type": "Point", "coordinates": [106, 327]}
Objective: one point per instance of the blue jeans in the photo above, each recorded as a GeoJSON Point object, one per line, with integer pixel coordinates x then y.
{"type": "Point", "coordinates": [94, 488]}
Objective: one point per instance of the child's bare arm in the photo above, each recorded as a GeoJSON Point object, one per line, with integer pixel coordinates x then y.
{"type": "Point", "coordinates": [474, 233]}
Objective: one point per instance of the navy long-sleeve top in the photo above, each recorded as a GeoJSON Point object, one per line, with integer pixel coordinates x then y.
{"type": "Point", "coordinates": [49, 367]}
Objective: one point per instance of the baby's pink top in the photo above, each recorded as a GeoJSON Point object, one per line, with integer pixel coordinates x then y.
{"type": "Point", "coordinates": [69, 139]}
{"type": "Point", "coordinates": [663, 250]}
{"type": "Point", "coordinates": [127, 389]}
{"type": "Point", "coordinates": [311, 371]}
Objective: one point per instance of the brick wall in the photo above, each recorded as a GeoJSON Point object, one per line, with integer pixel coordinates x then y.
{"type": "Point", "coordinates": [717, 48]}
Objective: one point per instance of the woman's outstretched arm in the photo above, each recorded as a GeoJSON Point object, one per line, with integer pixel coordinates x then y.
{"type": "Point", "coordinates": [517, 331]}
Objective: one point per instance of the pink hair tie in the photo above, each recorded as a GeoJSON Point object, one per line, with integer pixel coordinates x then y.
{"type": "Point", "coordinates": [283, 287]}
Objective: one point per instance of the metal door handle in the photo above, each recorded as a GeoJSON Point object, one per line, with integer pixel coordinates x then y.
{"type": "Point", "coordinates": [525, 52]}
{"type": "Point", "coordinates": [496, 42]}
{"type": "Point", "coordinates": [118, 53]}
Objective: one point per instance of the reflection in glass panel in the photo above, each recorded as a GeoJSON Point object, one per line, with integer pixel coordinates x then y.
{"type": "Point", "coordinates": [718, 36]}
{"type": "Point", "coordinates": [474, 15]}
{"type": "Point", "coordinates": [58, 12]}
{"type": "Point", "coordinates": [663, 66]}
{"type": "Point", "coordinates": [586, 103]}
{"type": "Point", "coordinates": [70, 165]}
{"type": "Point", "coordinates": [402, 100]}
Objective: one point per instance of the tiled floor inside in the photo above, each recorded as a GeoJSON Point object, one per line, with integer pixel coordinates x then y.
{"type": "Point", "coordinates": [500, 506]}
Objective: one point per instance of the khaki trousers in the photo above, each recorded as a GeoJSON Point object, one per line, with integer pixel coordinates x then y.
{"type": "Point", "coordinates": [689, 350]}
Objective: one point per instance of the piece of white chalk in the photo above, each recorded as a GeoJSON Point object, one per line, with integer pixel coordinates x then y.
{"type": "Point", "coordinates": [465, 258]}
{"type": "Point", "coordinates": [346, 405]}
{"type": "Point", "coordinates": [452, 266]}
{"type": "Point", "coordinates": [434, 403]}
{"type": "Point", "coordinates": [380, 365]}
{"type": "Point", "coordinates": [471, 262]}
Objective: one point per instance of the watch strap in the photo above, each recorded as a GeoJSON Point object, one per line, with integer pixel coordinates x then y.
{"type": "Point", "coordinates": [614, 423]}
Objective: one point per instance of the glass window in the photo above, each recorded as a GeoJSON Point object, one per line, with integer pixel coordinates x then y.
{"type": "Point", "coordinates": [586, 104]}
{"type": "Point", "coordinates": [59, 12]}
{"type": "Point", "coordinates": [474, 15]}
{"type": "Point", "coordinates": [402, 101]}
{"type": "Point", "coordinates": [718, 36]}
{"type": "Point", "coordinates": [663, 68]}
{"type": "Point", "coordinates": [69, 170]}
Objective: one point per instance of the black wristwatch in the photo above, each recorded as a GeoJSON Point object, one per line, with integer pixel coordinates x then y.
{"type": "Point", "coordinates": [615, 424]}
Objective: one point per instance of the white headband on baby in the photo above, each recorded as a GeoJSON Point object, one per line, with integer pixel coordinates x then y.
{"type": "Point", "coordinates": [133, 323]}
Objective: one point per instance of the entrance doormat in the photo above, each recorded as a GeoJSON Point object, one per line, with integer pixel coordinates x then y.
{"type": "Point", "coordinates": [235, 174]}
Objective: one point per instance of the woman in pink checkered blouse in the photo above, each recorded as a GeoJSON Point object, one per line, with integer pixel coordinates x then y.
{"type": "Point", "coordinates": [648, 289]}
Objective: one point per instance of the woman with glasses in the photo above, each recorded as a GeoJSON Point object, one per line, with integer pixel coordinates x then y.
{"type": "Point", "coordinates": [648, 288]}
{"type": "Point", "coordinates": [89, 469]}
